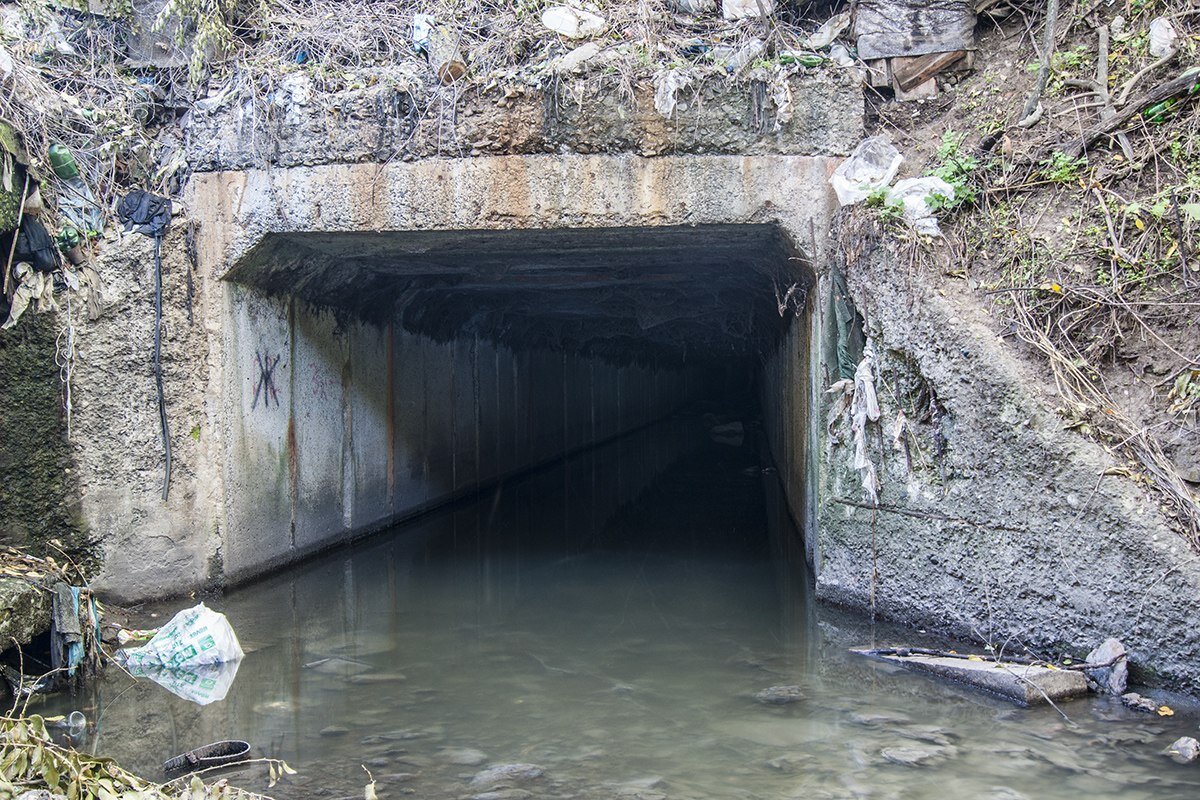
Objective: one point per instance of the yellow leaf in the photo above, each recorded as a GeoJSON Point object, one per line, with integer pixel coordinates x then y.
{"type": "Point", "coordinates": [286, 768]}
{"type": "Point", "coordinates": [1137, 221]}
{"type": "Point", "coordinates": [1165, 711]}
{"type": "Point", "coordinates": [974, 658]}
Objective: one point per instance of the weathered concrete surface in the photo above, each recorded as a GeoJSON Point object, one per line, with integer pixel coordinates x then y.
{"type": "Point", "coordinates": [24, 611]}
{"type": "Point", "coordinates": [233, 510]}
{"type": "Point", "coordinates": [394, 116]}
{"type": "Point", "coordinates": [38, 498]}
{"type": "Point", "coordinates": [1026, 684]}
{"type": "Point", "coordinates": [995, 522]}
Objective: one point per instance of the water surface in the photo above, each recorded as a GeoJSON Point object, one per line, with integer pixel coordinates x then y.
{"type": "Point", "coordinates": [609, 619]}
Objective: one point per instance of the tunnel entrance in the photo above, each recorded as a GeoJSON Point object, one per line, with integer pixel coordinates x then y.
{"type": "Point", "coordinates": [382, 374]}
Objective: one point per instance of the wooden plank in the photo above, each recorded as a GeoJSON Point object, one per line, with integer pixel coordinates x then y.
{"type": "Point", "coordinates": [879, 73]}
{"type": "Point", "coordinates": [910, 72]}
{"type": "Point", "coordinates": [925, 91]}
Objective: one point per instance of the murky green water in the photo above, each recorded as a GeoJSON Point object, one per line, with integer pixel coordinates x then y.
{"type": "Point", "coordinates": [609, 620]}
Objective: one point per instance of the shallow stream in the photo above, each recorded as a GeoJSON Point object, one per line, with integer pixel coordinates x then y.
{"type": "Point", "coordinates": [609, 620]}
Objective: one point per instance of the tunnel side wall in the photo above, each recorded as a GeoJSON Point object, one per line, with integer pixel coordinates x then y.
{"type": "Point", "coordinates": [337, 428]}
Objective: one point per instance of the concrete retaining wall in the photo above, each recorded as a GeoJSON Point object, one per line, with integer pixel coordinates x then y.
{"type": "Point", "coordinates": [239, 504]}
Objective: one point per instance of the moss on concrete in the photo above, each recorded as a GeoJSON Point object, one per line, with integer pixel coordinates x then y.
{"type": "Point", "coordinates": [37, 501]}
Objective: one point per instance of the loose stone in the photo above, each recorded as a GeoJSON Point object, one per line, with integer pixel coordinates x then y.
{"type": "Point", "coordinates": [505, 775]}
{"type": "Point", "coordinates": [1111, 680]}
{"type": "Point", "coordinates": [1185, 750]}
{"type": "Point", "coordinates": [780, 695]}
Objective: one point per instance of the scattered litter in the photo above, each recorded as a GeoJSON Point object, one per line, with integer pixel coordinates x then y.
{"type": "Point", "coordinates": [825, 35]}
{"type": "Point", "coordinates": [696, 6]}
{"type": "Point", "coordinates": [125, 636]}
{"type": "Point", "coordinates": [864, 407]}
{"type": "Point", "coordinates": [217, 754]}
{"type": "Point", "coordinates": [575, 59]}
{"type": "Point", "coordinates": [915, 194]}
{"type": "Point", "coordinates": [1162, 38]}
{"type": "Point", "coordinates": [871, 166]}
{"type": "Point", "coordinates": [573, 23]}
{"type": "Point", "coordinates": [196, 636]}
{"type": "Point", "coordinates": [445, 57]}
{"type": "Point", "coordinates": [32, 287]}
{"type": "Point", "coordinates": [422, 26]}
{"type": "Point", "coordinates": [76, 202]}
{"type": "Point", "coordinates": [743, 9]}
{"type": "Point", "coordinates": [840, 55]}
{"type": "Point", "coordinates": [195, 656]}
{"type": "Point", "coordinates": [746, 55]}
{"type": "Point", "coordinates": [666, 83]}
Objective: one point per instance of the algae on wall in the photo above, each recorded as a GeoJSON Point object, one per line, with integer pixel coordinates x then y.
{"type": "Point", "coordinates": [37, 503]}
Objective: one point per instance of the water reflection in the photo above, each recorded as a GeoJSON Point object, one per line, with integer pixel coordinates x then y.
{"type": "Point", "coordinates": [610, 620]}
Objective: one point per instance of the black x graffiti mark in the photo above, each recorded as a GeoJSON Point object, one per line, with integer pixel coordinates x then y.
{"type": "Point", "coordinates": [266, 380]}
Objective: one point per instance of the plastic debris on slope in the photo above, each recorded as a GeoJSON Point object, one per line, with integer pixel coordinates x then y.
{"type": "Point", "coordinates": [871, 166]}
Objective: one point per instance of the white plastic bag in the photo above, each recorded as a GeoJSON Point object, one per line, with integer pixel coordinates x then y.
{"type": "Point", "coordinates": [194, 637]}
{"type": "Point", "coordinates": [1162, 37]}
{"type": "Point", "coordinates": [871, 166]}
{"type": "Point", "coordinates": [742, 9]}
{"type": "Point", "coordinates": [573, 23]}
{"type": "Point", "coordinates": [914, 193]}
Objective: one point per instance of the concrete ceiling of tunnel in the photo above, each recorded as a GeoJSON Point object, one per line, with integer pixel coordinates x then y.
{"type": "Point", "coordinates": [706, 292]}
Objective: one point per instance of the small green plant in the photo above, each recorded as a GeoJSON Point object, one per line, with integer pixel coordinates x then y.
{"type": "Point", "coordinates": [956, 167]}
{"type": "Point", "coordinates": [1061, 168]}
{"type": "Point", "coordinates": [889, 210]}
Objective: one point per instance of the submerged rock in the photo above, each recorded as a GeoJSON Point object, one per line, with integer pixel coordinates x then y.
{"type": "Point", "coordinates": [506, 775]}
{"type": "Point", "coordinates": [780, 695]}
{"type": "Point", "coordinates": [1138, 703]}
{"type": "Point", "coordinates": [916, 756]}
{"type": "Point", "coordinates": [462, 756]}
{"type": "Point", "coordinates": [1111, 680]}
{"type": "Point", "coordinates": [1185, 750]}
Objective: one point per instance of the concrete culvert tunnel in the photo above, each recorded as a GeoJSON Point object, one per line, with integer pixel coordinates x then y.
{"type": "Point", "coordinates": [404, 369]}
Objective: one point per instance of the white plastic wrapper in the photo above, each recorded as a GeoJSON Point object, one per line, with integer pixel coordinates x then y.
{"type": "Point", "coordinates": [1162, 37]}
{"type": "Point", "coordinates": [573, 23]}
{"type": "Point", "coordinates": [194, 637]}
{"type": "Point", "coordinates": [871, 166]}
{"type": "Point", "coordinates": [208, 683]}
{"type": "Point", "coordinates": [914, 193]}
{"type": "Point", "coordinates": [743, 9]}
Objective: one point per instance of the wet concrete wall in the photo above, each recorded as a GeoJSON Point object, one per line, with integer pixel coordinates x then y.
{"type": "Point", "coordinates": [337, 428]}
{"type": "Point", "coordinates": [231, 508]}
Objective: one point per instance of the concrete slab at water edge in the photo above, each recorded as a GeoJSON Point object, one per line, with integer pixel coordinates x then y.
{"type": "Point", "coordinates": [1022, 683]}
{"type": "Point", "coordinates": [24, 611]}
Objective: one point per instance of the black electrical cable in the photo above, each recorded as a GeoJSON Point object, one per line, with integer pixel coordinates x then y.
{"type": "Point", "coordinates": [158, 377]}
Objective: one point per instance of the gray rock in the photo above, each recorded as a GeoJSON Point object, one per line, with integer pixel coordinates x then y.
{"type": "Point", "coordinates": [1112, 679]}
{"type": "Point", "coordinates": [463, 756]}
{"type": "Point", "coordinates": [780, 695]}
{"type": "Point", "coordinates": [506, 776]}
{"type": "Point", "coordinates": [1138, 703]}
{"type": "Point", "coordinates": [915, 756]}
{"type": "Point", "coordinates": [334, 730]}
{"type": "Point", "coordinates": [504, 794]}
{"type": "Point", "coordinates": [1185, 750]}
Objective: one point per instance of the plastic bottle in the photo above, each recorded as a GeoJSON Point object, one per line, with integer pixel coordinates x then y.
{"type": "Point", "coordinates": [77, 203]}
